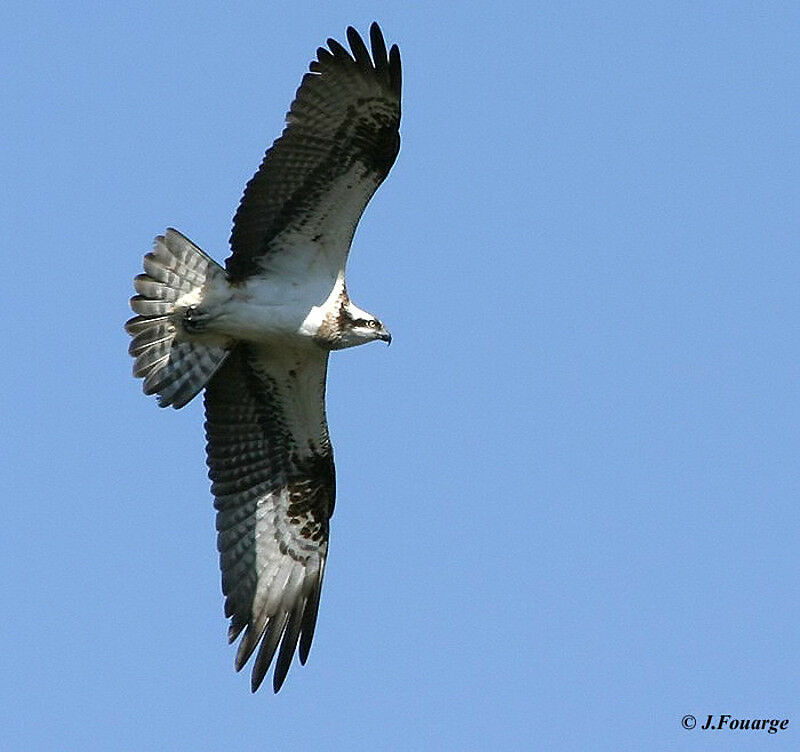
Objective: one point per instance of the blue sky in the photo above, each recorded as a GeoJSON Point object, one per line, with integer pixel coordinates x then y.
{"type": "Point", "coordinates": [568, 493]}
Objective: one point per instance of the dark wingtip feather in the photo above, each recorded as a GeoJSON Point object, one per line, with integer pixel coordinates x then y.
{"type": "Point", "coordinates": [246, 647]}
{"type": "Point", "coordinates": [395, 71]}
{"type": "Point", "coordinates": [233, 633]}
{"type": "Point", "coordinates": [230, 605]}
{"type": "Point", "coordinates": [339, 52]}
{"type": "Point", "coordinates": [360, 52]}
{"type": "Point", "coordinates": [235, 628]}
{"type": "Point", "coordinates": [266, 652]}
{"type": "Point", "coordinates": [256, 679]}
{"type": "Point", "coordinates": [288, 646]}
{"type": "Point", "coordinates": [308, 625]}
{"type": "Point", "coordinates": [378, 47]}
{"type": "Point", "coordinates": [323, 57]}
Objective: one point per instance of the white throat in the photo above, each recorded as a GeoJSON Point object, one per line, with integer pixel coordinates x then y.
{"type": "Point", "coordinates": [316, 316]}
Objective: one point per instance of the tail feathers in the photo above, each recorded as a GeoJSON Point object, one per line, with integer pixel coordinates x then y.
{"type": "Point", "coordinates": [187, 371]}
{"type": "Point", "coordinates": [176, 273]}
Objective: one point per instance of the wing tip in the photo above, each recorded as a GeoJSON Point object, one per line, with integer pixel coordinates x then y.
{"type": "Point", "coordinates": [286, 653]}
{"type": "Point", "coordinates": [395, 70]}
{"type": "Point", "coordinates": [285, 633]}
{"type": "Point", "coordinates": [378, 47]}
{"type": "Point", "coordinates": [309, 620]}
{"type": "Point", "coordinates": [359, 49]}
{"type": "Point", "coordinates": [378, 60]}
{"type": "Point", "coordinates": [339, 51]}
{"type": "Point", "coordinates": [269, 644]}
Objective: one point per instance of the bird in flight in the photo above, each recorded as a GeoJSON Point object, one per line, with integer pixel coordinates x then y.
{"type": "Point", "coordinates": [256, 336]}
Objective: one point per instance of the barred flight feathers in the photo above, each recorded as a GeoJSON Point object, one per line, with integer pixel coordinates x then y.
{"type": "Point", "coordinates": [341, 139]}
{"type": "Point", "coordinates": [271, 466]}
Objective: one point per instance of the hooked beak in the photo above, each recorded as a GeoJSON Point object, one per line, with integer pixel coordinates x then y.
{"type": "Point", "coordinates": [385, 335]}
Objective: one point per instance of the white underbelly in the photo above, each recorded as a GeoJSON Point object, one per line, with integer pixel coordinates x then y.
{"type": "Point", "coordinates": [260, 322]}
{"type": "Point", "coordinates": [263, 310]}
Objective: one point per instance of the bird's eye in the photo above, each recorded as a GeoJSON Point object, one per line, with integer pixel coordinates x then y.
{"type": "Point", "coordinates": [372, 324]}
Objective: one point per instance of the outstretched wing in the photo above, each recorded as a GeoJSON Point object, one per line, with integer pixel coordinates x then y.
{"type": "Point", "coordinates": [341, 139]}
{"type": "Point", "coordinates": [271, 464]}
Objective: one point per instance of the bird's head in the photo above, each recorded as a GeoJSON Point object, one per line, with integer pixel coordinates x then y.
{"type": "Point", "coordinates": [357, 327]}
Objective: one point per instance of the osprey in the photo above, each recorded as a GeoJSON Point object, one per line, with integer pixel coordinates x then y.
{"type": "Point", "coordinates": [257, 335]}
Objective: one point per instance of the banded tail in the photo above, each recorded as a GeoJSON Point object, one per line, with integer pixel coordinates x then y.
{"type": "Point", "coordinates": [175, 369]}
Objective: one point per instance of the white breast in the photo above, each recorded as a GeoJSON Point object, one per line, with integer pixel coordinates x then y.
{"type": "Point", "coordinates": [268, 308]}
